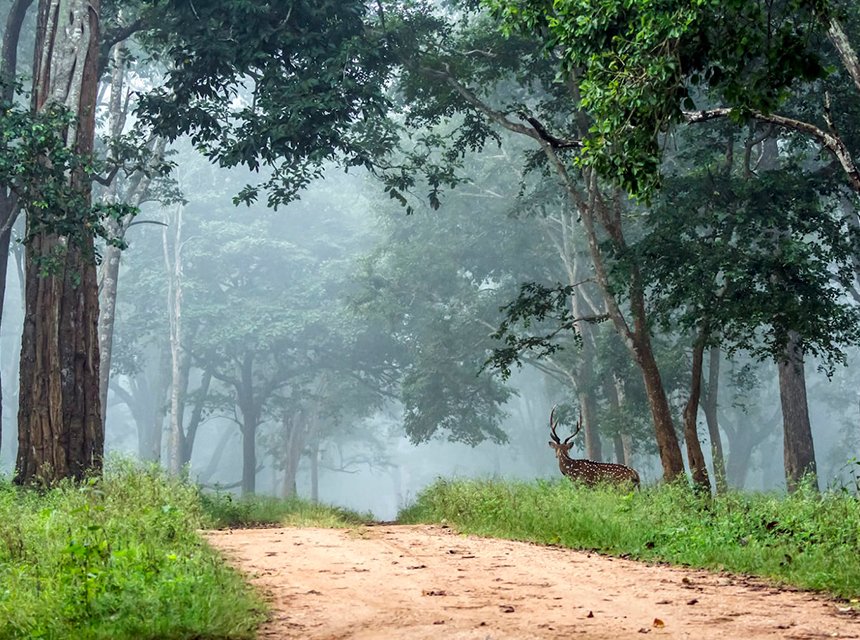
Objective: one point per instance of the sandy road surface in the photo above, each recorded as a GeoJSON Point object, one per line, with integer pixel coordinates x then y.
{"type": "Point", "coordinates": [421, 582]}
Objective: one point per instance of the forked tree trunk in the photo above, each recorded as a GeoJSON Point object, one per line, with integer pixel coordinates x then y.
{"type": "Point", "coordinates": [709, 406]}
{"type": "Point", "coordinates": [798, 446]}
{"type": "Point", "coordinates": [695, 457]}
{"type": "Point", "coordinates": [59, 417]}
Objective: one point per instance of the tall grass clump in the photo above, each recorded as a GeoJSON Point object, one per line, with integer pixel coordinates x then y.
{"type": "Point", "coordinates": [114, 558]}
{"type": "Point", "coordinates": [805, 539]}
{"type": "Point", "coordinates": [227, 511]}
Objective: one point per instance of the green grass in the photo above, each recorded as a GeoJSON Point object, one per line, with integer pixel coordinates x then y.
{"type": "Point", "coordinates": [116, 558]}
{"type": "Point", "coordinates": [225, 511]}
{"type": "Point", "coordinates": [805, 539]}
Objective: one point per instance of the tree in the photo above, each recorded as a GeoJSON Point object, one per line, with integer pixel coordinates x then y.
{"type": "Point", "coordinates": [442, 81]}
{"type": "Point", "coordinates": [59, 419]}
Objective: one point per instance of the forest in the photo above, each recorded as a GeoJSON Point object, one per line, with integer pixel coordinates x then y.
{"type": "Point", "coordinates": [349, 252]}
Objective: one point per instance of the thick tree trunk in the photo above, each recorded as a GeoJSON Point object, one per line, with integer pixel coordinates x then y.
{"type": "Point", "coordinates": [709, 406]}
{"type": "Point", "coordinates": [59, 417]}
{"type": "Point", "coordinates": [797, 432]}
{"type": "Point", "coordinates": [695, 457]}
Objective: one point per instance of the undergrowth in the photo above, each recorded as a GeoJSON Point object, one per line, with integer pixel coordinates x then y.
{"type": "Point", "coordinates": [116, 558]}
{"type": "Point", "coordinates": [806, 539]}
{"type": "Point", "coordinates": [226, 511]}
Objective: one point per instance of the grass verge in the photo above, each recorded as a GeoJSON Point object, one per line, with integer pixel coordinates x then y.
{"type": "Point", "coordinates": [226, 511]}
{"type": "Point", "coordinates": [116, 558]}
{"type": "Point", "coordinates": [805, 539]}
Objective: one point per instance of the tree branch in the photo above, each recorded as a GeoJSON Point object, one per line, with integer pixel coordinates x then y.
{"type": "Point", "coordinates": [846, 52]}
{"type": "Point", "coordinates": [829, 141]}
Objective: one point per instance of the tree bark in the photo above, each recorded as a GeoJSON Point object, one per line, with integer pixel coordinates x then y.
{"type": "Point", "coordinates": [196, 417]}
{"type": "Point", "coordinates": [709, 406]}
{"type": "Point", "coordinates": [179, 359]}
{"type": "Point", "coordinates": [695, 457]}
{"type": "Point", "coordinates": [250, 420]}
{"type": "Point", "coordinates": [294, 428]}
{"type": "Point", "coordinates": [798, 447]}
{"type": "Point", "coordinates": [59, 417]}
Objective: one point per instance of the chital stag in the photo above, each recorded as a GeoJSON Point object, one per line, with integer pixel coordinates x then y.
{"type": "Point", "coordinates": [588, 472]}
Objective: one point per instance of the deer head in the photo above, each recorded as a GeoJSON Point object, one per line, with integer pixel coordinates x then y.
{"type": "Point", "coordinates": [561, 448]}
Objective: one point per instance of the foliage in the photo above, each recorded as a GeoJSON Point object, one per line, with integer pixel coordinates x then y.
{"type": "Point", "coordinates": [36, 163]}
{"type": "Point", "coordinates": [535, 304]}
{"type": "Point", "coordinates": [638, 64]}
{"type": "Point", "coordinates": [754, 259]}
{"type": "Point", "coordinates": [804, 539]}
{"type": "Point", "coordinates": [115, 557]}
{"type": "Point", "coordinates": [283, 85]}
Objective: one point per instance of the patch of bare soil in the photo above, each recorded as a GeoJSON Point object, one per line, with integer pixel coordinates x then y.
{"type": "Point", "coordinates": [422, 582]}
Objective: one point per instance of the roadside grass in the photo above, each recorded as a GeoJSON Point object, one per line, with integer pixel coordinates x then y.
{"type": "Point", "coordinates": [116, 558]}
{"type": "Point", "coordinates": [806, 539]}
{"type": "Point", "coordinates": [226, 511]}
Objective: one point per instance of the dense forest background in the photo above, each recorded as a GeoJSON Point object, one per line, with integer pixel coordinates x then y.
{"type": "Point", "coordinates": [342, 251]}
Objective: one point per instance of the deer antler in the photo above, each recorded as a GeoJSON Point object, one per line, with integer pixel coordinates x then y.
{"type": "Point", "coordinates": [552, 425]}
{"type": "Point", "coordinates": [577, 430]}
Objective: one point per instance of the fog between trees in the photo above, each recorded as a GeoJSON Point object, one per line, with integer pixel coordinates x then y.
{"type": "Point", "coordinates": [349, 345]}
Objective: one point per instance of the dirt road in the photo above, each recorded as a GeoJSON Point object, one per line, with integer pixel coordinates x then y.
{"type": "Point", "coordinates": [422, 582]}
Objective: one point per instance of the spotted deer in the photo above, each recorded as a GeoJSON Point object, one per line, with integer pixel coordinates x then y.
{"type": "Point", "coordinates": [587, 472]}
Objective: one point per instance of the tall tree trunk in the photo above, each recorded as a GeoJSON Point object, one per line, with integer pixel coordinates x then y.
{"type": "Point", "coordinates": [178, 356]}
{"type": "Point", "coordinates": [709, 406]}
{"type": "Point", "coordinates": [138, 188]}
{"type": "Point", "coordinates": [196, 417]}
{"type": "Point", "coordinates": [59, 417]}
{"type": "Point", "coordinates": [314, 455]}
{"type": "Point", "coordinates": [560, 232]}
{"type": "Point", "coordinates": [8, 202]}
{"type": "Point", "coordinates": [695, 457]}
{"type": "Point", "coordinates": [797, 432]}
{"type": "Point", "coordinates": [613, 387]}
{"type": "Point", "coordinates": [294, 427]}
{"type": "Point", "coordinates": [250, 420]}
